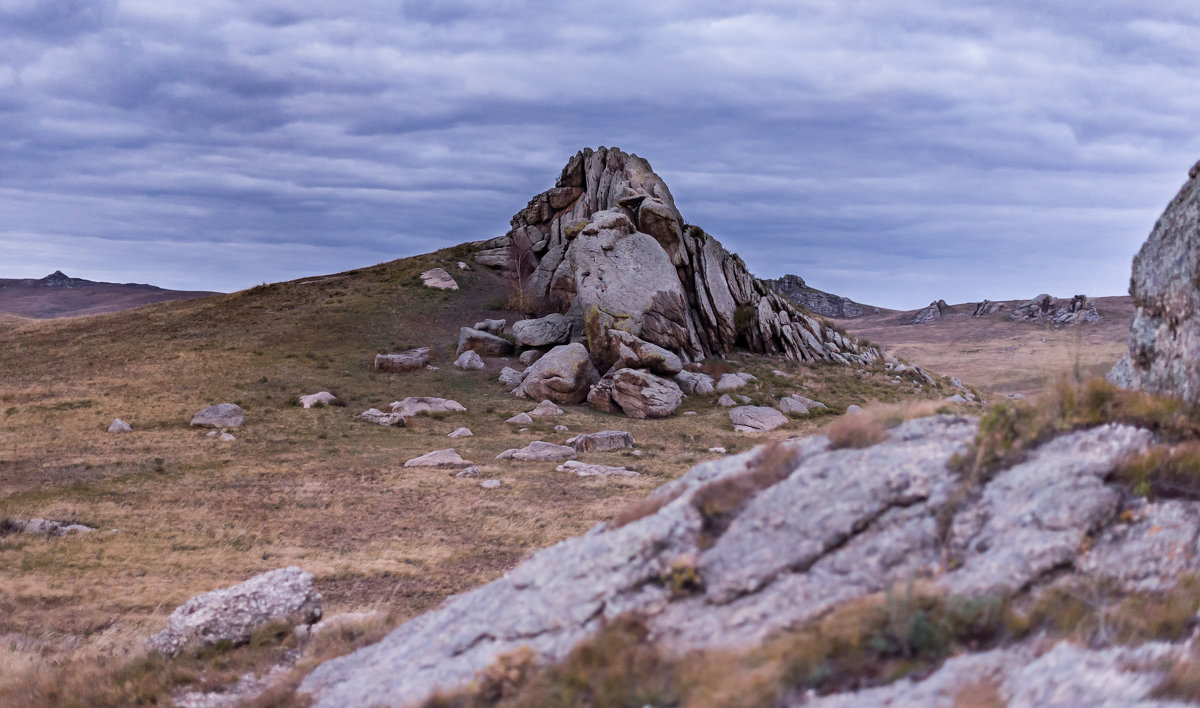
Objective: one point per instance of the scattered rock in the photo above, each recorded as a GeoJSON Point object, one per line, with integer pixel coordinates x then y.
{"type": "Point", "coordinates": [544, 331]}
{"type": "Point", "coordinates": [956, 398]}
{"type": "Point", "coordinates": [377, 416]}
{"type": "Point", "coordinates": [490, 484]}
{"type": "Point", "coordinates": [1078, 309]}
{"type": "Point", "coordinates": [226, 437]}
{"type": "Point", "coordinates": [44, 527]}
{"type": "Point", "coordinates": [545, 408]}
{"type": "Point", "coordinates": [694, 383]}
{"type": "Point", "coordinates": [718, 450]}
{"type": "Point", "coordinates": [795, 405]}
{"type": "Point", "coordinates": [732, 382]}
{"type": "Point", "coordinates": [584, 469]}
{"type": "Point", "coordinates": [781, 374]}
{"type": "Point", "coordinates": [561, 428]}
{"type": "Point", "coordinates": [1016, 396]}
{"type": "Point", "coordinates": [483, 343]}
{"type": "Point", "coordinates": [438, 278]}
{"type": "Point", "coordinates": [491, 326]}
{"type": "Point", "coordinates": [425, 405]}
{"type": "Point", "coordinates": [726, 400]}
{"type": "Point", "coordinates": [756, 419]}
{"type": "Point", "coordinates": [603, 441]}
{"type": "Point", "coordinates": [743, 399]}
{"type": "Point", "coordinates": [472, 471]}
{"type": "Point", "coordinates": [853, 409]}
{"type": "Point", "coordinates": [529, 356]}
{"type": "Point", "coordinates": [987, 307]}
{"type": "Point", "coordinates": [321, 398]}
{"type": "Point", "coordinates": [460, 433]}
{"type": "Point", "coordinates": [439, 458]}
{"type": "Point", "coordinates": [563, 375]}
{"type": "Point", "coordinates": [957, 383]}
{"type": "Point", "coordinates": [401, 362]}
{"type": "Point", "coordinates": [222, 415]}
{"type": "Point", "coordinates": [538, 451]}
{"type": "Point", "coordinates": [511, 377]}
{"type": "Point", "coordinates": [935, 311]}
{"type": "Point", "coordinates": [463, 266]}
{"type": "Point", "coordinates": [120, 426]}
{"type": "Point", "coordinates": [637, 393]}
{"type": "Point", "coordinates": [232, 614]}
{"type": "Point", "coordinates": [520, 419]}
{"type": "Point", "coordinates": [470, 360]}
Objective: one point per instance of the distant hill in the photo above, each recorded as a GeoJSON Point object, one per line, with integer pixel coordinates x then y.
{"type": "Point", "coordinates": [58, 295]}
{"type": "Point", "coordinates": [795, 289]}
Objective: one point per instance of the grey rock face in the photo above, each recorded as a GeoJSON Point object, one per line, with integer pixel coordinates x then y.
{"type": "Point", "coordinates": [638, 394]}
{"type": "Point", "coordinates": [469, 361]}
{"type": "Point", "coordinates": [410, 360]}
{"type": "Point", "coordinates": [544, 331]}
{"type": "Point", "coordinates": [731, 382]}
{"type": "Point", "coordinates": [935, 311]}
{"type": "Point", "coordinates": [796, 290]}
{"type": "Point", "coordinates": [563, 375]}
{"type": "Point", "coordinates": [1043, 307]}
{"type": "Point", "coordinates": [693, 383]}
{"type": "Point", "coordinates": [539, 451]}
{"type": "Point", "coordinates": [222, 415]}
{"type": "Point", "coordinates": [286, 594]}
{"type": "Point", "coordinates": [603, 441]}
{"type": "Point", "coordinates": [1164, 337]}
{"type": "Point", "coordinates": [529, 356]}
{"type": "Point", "coordinates": [491, 326]}
{"type": "Point", "coordinates": [756, 419]}
{"type": "Point", "coordinates": [120, 426]}
{"type": "Point", "coordinates": [511, 377]}
{"type": "Point", "coordinates": [483, 343]}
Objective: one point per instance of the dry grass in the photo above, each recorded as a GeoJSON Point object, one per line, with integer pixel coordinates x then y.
{"type": "Point", "coordinates": [854, 431]}
{"type": "Point", "coordinates": [721, 501]}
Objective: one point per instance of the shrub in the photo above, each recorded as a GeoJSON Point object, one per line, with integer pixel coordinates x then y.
{"type": "Point", "coordinates": [854, 431]}
{"type": "Point", "coordinates": [1164, 471]}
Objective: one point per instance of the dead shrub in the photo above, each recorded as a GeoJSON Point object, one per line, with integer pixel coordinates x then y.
{"type": "Point", "coordinates": [646, 507]}
{"type": "Point", "coordinates": [721, 501]}
{"type": "Point", "coordinates": [854, 431]}
{"type": "Point", "coordinates": [1171, 471]}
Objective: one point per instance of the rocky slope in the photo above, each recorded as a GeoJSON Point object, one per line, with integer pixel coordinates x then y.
{"type": "Point", "coordinates": [607, 247]}
{"type": "Point", "coordinates": [796, 290]}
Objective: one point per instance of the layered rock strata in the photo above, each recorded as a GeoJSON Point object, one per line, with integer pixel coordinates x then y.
{"type": "Point", "coordinates": [796, 290]}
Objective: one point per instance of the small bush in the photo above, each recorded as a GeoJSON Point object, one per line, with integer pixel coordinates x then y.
{"type": "Point", "coordinates": [854, 431]}
{"type": "Point", "coordinates": [1164, 471]}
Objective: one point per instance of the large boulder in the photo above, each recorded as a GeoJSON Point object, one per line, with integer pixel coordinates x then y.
{"type": "Point", "coordinates": [439, 459]}
{"type": "Point", "coordinates": [438, 278]}
{"type": "Point", "coordinates": [222, 415]}
{"type": "Point", "coordinates": [756, 419]}
{"type": "Point", "coordinates": [543, 331]}
{"type": "Point", "coordinates": [426, 405]}
{"type": "Point", "coordinates": [1164, 337]}
{"type": "Point", "coordinates": [470, 361]}
{"type": "Point", "coordinates": [538, 451]}
{"type": "Point", "coordinates": [629, 352]}
{"type": "Point", "coordinates": [232, 614]}
{"type": "Point", "coordinates": [563, 375]}
{"type": "Point", "coordinates": [637, 393]}
{"type": "Point", "coordinates": [935, 311]}
{"type": "Point", "coordinates": [691, 382]}
{"type": "Point", "coordinates": [603, 441]}
{"type": "Point", "coordinates": [483, 343]}
{"type": "Point", "coordinates": [400, 362]}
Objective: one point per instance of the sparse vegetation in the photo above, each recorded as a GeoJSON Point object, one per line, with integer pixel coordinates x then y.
{"type": "Point", "coordinates": [720, 502]}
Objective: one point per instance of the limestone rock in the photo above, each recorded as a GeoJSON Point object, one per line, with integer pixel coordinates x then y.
{"type": "Point", "coordinates": [638, 394]}
{"type": "Point", "coordinates": [935, 311]}
{"type": "Point", "coordinates": [603, 441]}
{"type": "Point", "coordinates": [439, 458]}
{"type": "Point", "coordinates": [538, 451]}
{"type": "Point", "coordinates": [511, 377]}
{"type": "Point", "coordinates": [543, 332]}
{"type": "Point", "coordinates": [545, 408]}
{"type": "Point", "coordinates": [410, 360]}
{"type": "Point", "coordinates": [756, 419]}
{"type": "Point", "coordinates": [481, 342]}
{"type": "Point", "coordinates": [1164, 337]}
{"type": "Point", "coordinates": [426, 405]}
{"type": "Point", "coordinates": [584, 469]}
{"type": "Point", "coordinates": [120, 426]}
{"type": "Point", "coordinates": [491, 326]}
{"type": "Point", "coordinates": [231, 614]}
{"type": "Point", "coordinates": [321, 398]}
{"type": "Point", "coordinates": [460, 433]}
{"type": "Point", "coordinates": [438, 278]}
{"type": "Point", "coordinates": [222, 415]}
{"type": "Point", "coordinates": [694, 383]}
{"type": "Point", "coordinates": [470, 361]}
{"type": "Point", "coordinates": [563, 375]}
{"type": "Point", "coordinates": [629, 352]}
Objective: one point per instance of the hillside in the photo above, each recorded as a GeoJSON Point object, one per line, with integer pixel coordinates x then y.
{"type": "Point", "coordinates": [58, 295]}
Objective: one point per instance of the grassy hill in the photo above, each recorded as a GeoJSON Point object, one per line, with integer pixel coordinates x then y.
{"type": "Point", "coordinates": [179, 513]}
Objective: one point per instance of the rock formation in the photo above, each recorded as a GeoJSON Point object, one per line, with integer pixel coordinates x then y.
{"type": "Point", "coordinates": [607, 247]}
{"type": "Point", "coordinates": [987, 307]}
{"type": "Point", "coordinates": [222, 415]}
{"type": "Point", "coordinates": [1044, 307]}
{"type": "Point", "coordinates": [1164, 337]}
{"type": "Point", "coordinates": [794, 289]}
{"type": "Point", "coordinates": [935, 311]}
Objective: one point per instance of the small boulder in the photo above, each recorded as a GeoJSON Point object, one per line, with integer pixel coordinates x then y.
{"type": "Point", "coordinates": [321, 398]}
{"type": "Point", "coordinates": [438, 278]}
{"type": "Point", "coordinates": [222, 415]}
{"type": "Point", "coordinates": [490, 484]}
{"type": "Point", "coordinates": [472, 471]}
{"type": "Point", "coordinates": [460, 433]}
{"type": "Point", "coordinates": [563, 375]}
{"type": "Point", "coordinates": [529, 356]}
{"type": "Point", "coordinates": [511, 377]}
{"type": "Point", "coordinates": [47, 527]}
{"type": "Point", "coordinates": [731, 382]}
{"type": "Point", "coordinates": [520, 419]}
{"type": "Point", "coordinates": [120, 426]}
{"type": "Point", "coordinates": [561, 428]}
{"type": "Point", "coordinates": [484, 343]}
{"type": "Point", "coordinates": [539, 451]}
{"type": "Point", "coordinates": [637, 393]}
{"type": "Point", "coordinates": [463, 266]}
{"type": "Point", "coordinates": [439, 458]}
{"type": "Point", "coordinates": [226, 436]}
{"type": "Point", "coordinates": [630, 352]}
{"type": "Point", "coordinates": [756, 419]}
{"type": "Point", "coordinates": [602, 441]}
{"type": "Point", "coordinates": [470, 361]}
{"type": "Point", "coordinates": [232, 614]}
{"type": "Point", "coordinates": [799, 405]}
{"type": "Point", "coordinates": [584, 469]}
{"type": "Point", "coordinates": [718, 450]}
{"type": "Point", "coordinates": [691, 382]}
{"type": "Point", "coordinates": [545, 408]}
{"type": "Point", "coordinates": [401, 362]}
{"type": "Point", "coordinates": [956, 398]}
{"type": "Point", "coordinates": [726, 401]}
{"type": "Point", "coordinates": [853, 409]}
{"type": "Point", "coordinates": [424, 405]}
{"type": "Point", "coordinates": [377, 416]}
{"type": "Point", "coordinates": [543, 331]}
{"type": "Point", "coordinates": [491, 326]}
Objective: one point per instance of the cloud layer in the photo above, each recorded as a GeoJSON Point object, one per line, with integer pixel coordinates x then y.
{"type": "Point", "coordinates": [892, 152]}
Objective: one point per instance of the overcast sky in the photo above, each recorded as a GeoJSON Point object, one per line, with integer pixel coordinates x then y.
{"type": "Point", "coordinates": [893, 152]}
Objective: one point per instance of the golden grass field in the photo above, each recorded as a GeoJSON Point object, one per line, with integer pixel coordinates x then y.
{"type": "Point", "coordinates": [178, 513]}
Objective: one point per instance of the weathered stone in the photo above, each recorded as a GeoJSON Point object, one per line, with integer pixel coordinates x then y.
{"type": "Point", "coordinates": [520, 419]}
{"type": "Point", "coordinates": [732, 382]}
{"type": "Point", "coordinates": [471, 471]}
{"type": "Point", "coordinates": [853, 409]}
{"type": "Point", "coordinates": [987, 307]}
{"type": "Point", "coordinates": [377, 416]}
{"type": "Point", "coordinates": [538, 451]}
{"type": "Point", "coordinates": [563, 375]}
{"type": "Point", "coordinates": [794, 405]}
{"type": "Point", "coordinates": [796, 290]}
{"type": "Point", "coordinates": [490, 484]}
{"type": "Point", "coordinates": [321, 398]}
{"type": "Point", "coordinates": [470, 360]}
{"type": "Point", "coordinates": [460, 433]}
{"type": "Point", "coordinates": [120, 426]}
{"type": "Point", "coordinates": [410, 360]}
{"type": "Point", "coordinates": [585, 469]}
{"type": "Point", "coordinates": [956, 398]}
{"type": "Point", "coordinates": [463, 266]}
{"type": "Point", "coordinates": [544, 331]}
{"type": "Point", "coordinates": [232, 614]}
{"type": "Point", "coordinates": [1077, 309]}
{"type": "Point", "coordinates": [439, 458]}
{"type": "Point", "coordinates": [226, 436]}
{"type": "Point", "coordinates": [603, 441]}
{"type": "Point", "coordinates": [484, 343]}
{"type": "Point", "coordinates": [529, 356]}
{"type": "Point", "coordinates": [694, 383]}
{"type": "Point", "coordinates": [640, 394]}
{"type": "Point", "coordinates": [222, 415]}
{"type": "Point", "coordinates": [438, 278]}
{"type": "Point", "coordinates": [491, 326]}
{"type": "Point", "coordinates": [545, 408]}
{"type": "Point", "coordinates": [726, 401]}
{"type": "Point", "coordinates": [935, 311]}
{"type": "Point", "coordinates": [629, 352]}
{"type": "Point", "coordinates": [511, 377]}
{"type": "Point", "coordinates": [426, 405]}
{"type": "Point", "coordinates": [46, 527]}
{"type": "Point", "coordinates": [756, 419]}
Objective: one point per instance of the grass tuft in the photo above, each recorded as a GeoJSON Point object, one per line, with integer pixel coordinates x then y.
{"type": "Point", "coordinates": [721, 501]}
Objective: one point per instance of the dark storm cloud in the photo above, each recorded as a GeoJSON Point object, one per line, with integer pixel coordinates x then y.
{"type": "Point", "coordinates": [892, 152]}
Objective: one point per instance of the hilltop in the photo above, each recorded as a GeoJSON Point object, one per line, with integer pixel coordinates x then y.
{"type": "Point", "coordinates": [59, 295]}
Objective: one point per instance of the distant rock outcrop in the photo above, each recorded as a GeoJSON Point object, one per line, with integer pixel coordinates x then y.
{"type": "Point", "coordinates": [987, 307]}
{"type": "Point", "coordinates": [934, 311]}
{"type": "Point", "coordinates": [1058, 311]}
{"type": "Point", "coordinates": [794, 288]}
{"type": "Point", "coordinates": [1164, 337]}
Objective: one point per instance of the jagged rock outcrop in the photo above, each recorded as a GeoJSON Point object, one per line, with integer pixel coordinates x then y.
{"type": "Point", "coordinates": [1164, 337]}
{"type": "Point", "coordinates": [987, 307]}
{"type": "Point", "coordinates": [935, 311]}
{"type": "Point", "coordinates": [1044, 307]}
{"type": "Point", "coordinates": [796, 290]}
{"type": "Point", "coordinates": [837, 526]}
{"type": "Point", "coordinates": [607, 247]}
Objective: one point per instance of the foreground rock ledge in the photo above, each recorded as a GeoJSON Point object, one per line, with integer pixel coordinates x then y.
{"type": "Point", "coordinates": [842, 525]}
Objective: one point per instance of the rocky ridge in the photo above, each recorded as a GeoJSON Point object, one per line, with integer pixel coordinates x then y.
{"type": "Point", "coordinates": [796, 290]}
